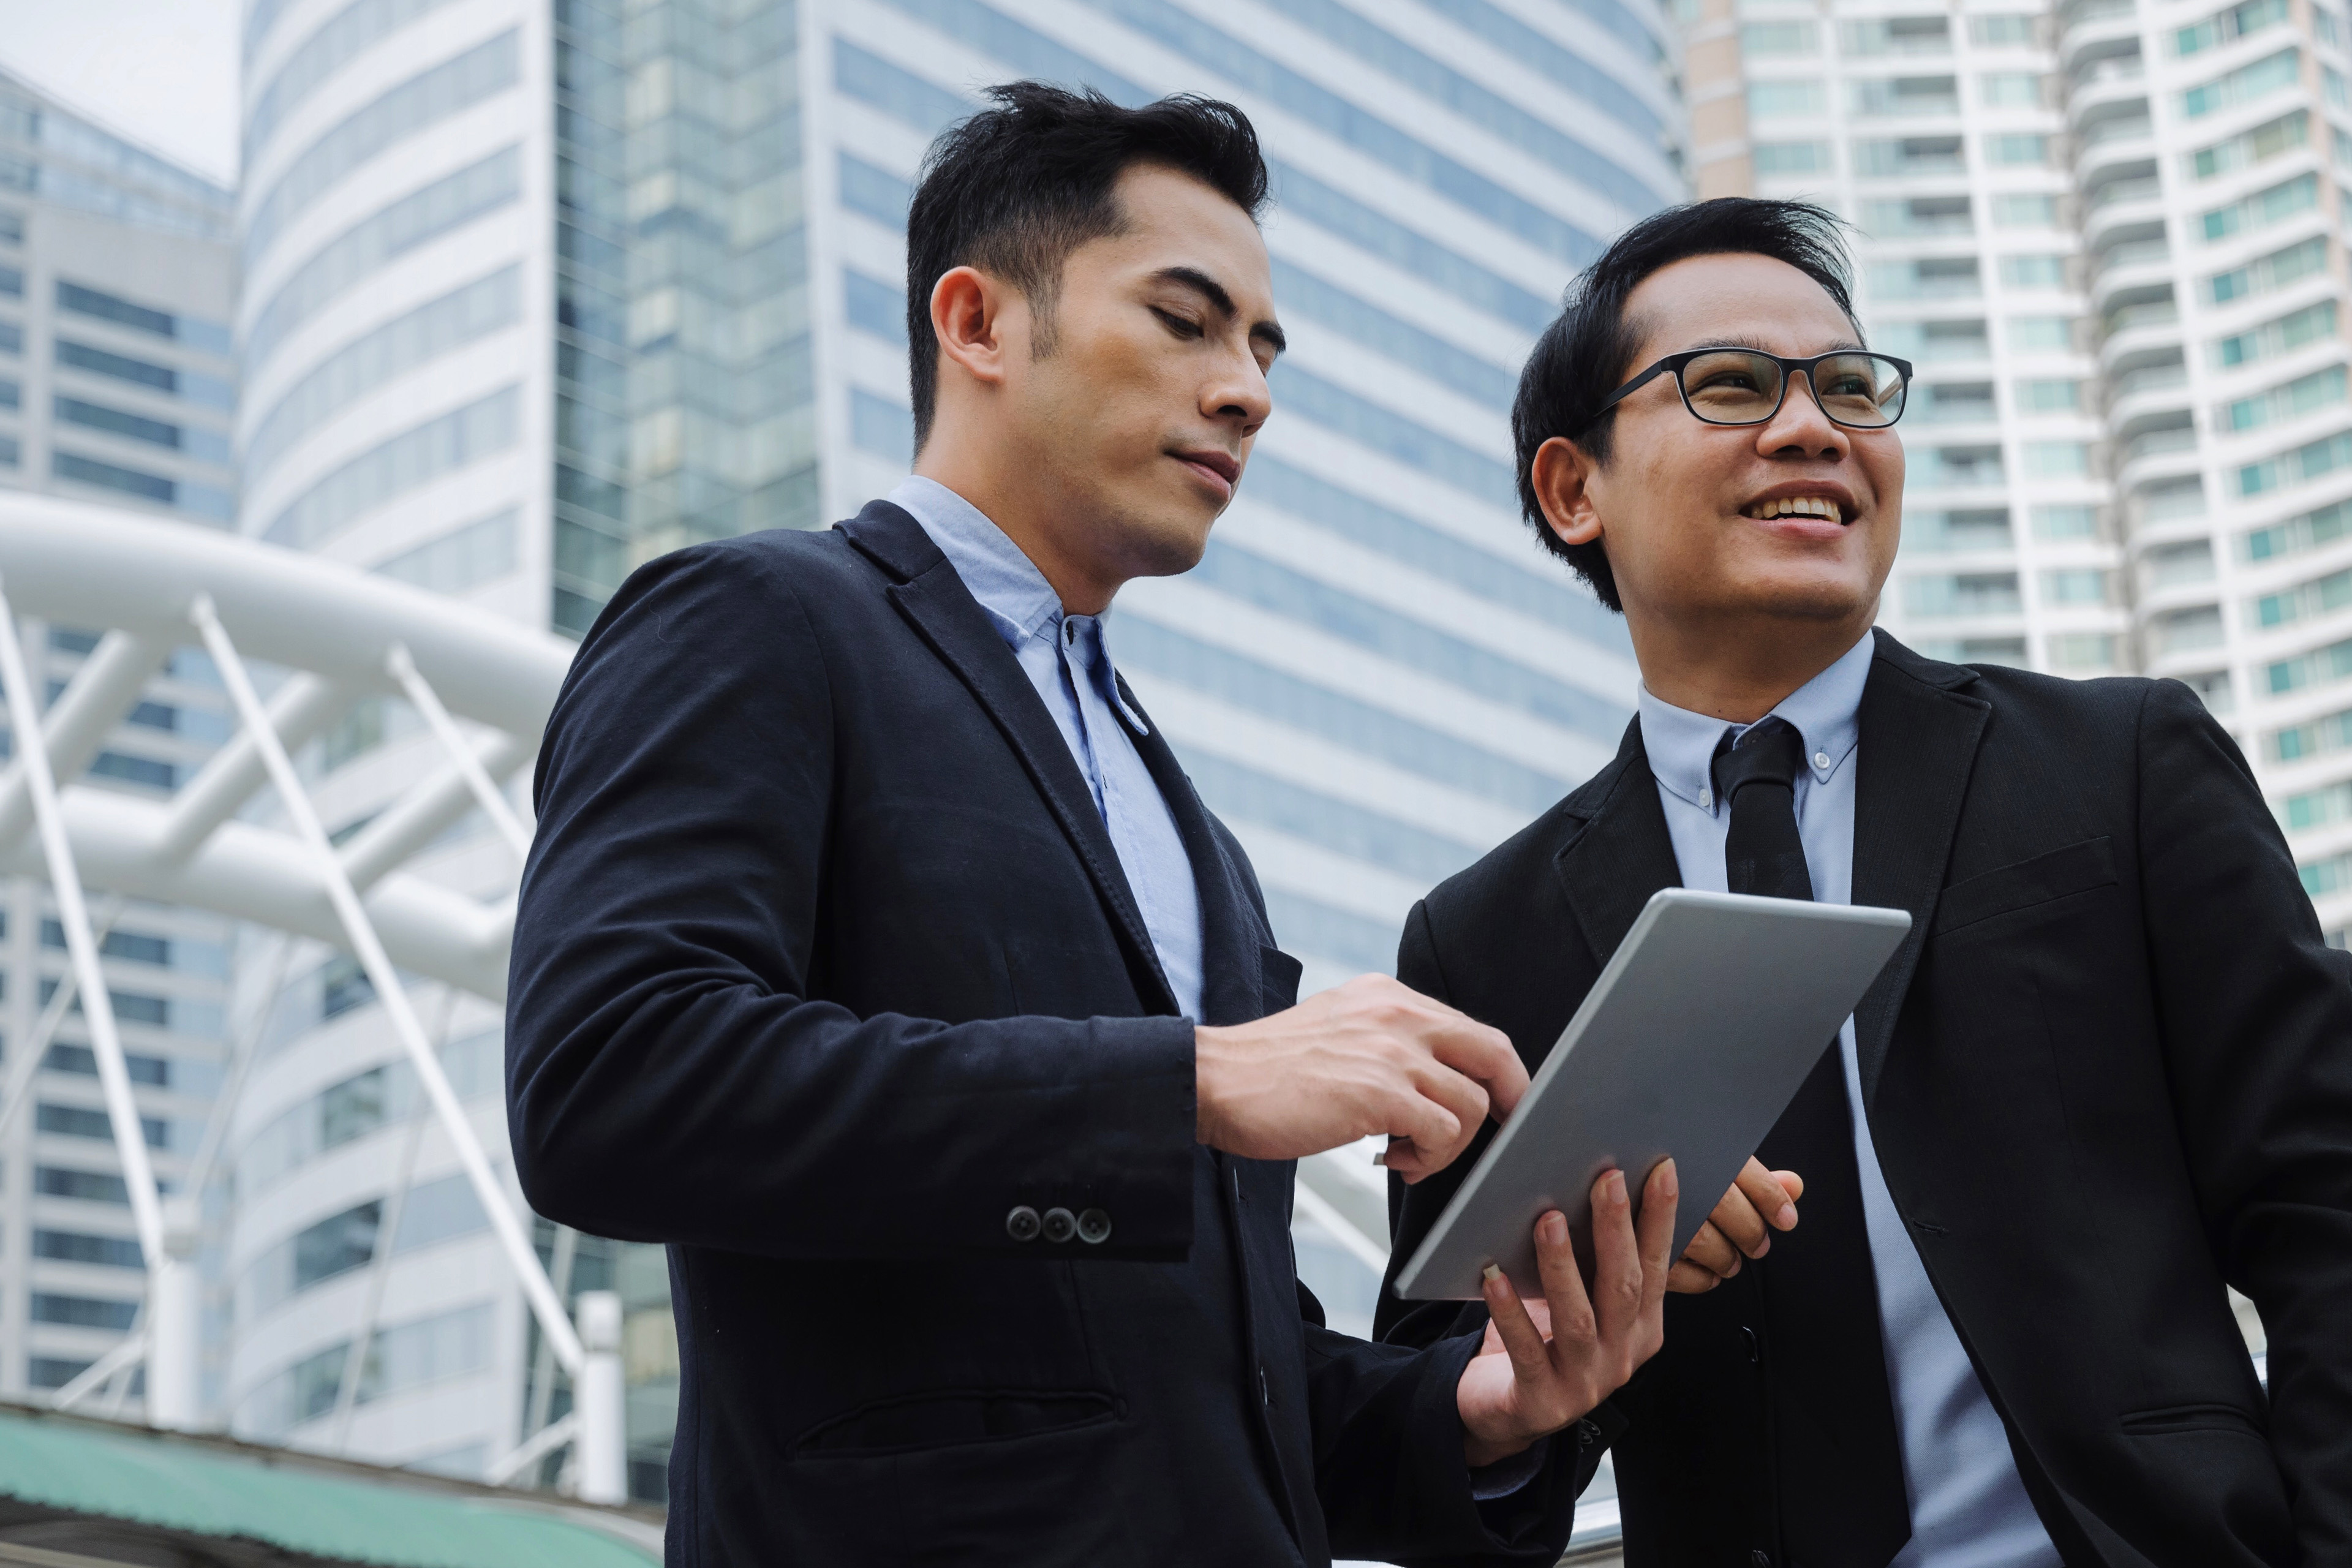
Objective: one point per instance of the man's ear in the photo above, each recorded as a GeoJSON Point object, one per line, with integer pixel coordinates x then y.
{"type": "Point", "coordinates": [1562, 472]}
{"type": "Point", "coordinates": [969, 311]}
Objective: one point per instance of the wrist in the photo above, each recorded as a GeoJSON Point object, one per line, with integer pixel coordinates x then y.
{"type": "Point", "coordinates": [1478, 1452]}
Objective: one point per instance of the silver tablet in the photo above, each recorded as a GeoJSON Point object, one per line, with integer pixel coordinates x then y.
{"type": "Point", "coordinates": [1692, 1042]}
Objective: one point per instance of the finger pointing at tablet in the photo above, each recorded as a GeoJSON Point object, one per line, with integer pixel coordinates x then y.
{"type": "Point", "coordinates": [1368, 1059]}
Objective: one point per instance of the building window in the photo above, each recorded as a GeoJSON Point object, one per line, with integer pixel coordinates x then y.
{"type": "Point", "coordinates": [2040, 334]}
{"type": "Point", "coordinates": [1905, 95]}
{"type": "Point", "coordinates": [2056, 460]}
{"type": "Point", "coordinates": [1758, 39]}
{"type": "Point", "coordinates": [82, 1186]}
{"type": "Point", "coordinates": [2082, 653]}
{"type": "Point", "coordinates": [1897, 35]}
{"type": "Point", "coordinates": [2247, 84]}
{"type": "Point", "coordinates": [1950, 594]}
{"type": "Point", "coordinates": [2235, 22]}
{"type": "Point", "coordinates": [2009, 30]}
{"type": "Point", "coordinates": [1921, 217]}
{"type": "Point", "coordinates": [2025, 212]}
{"type": "Point", "coordinates": [1785, 158]}
{"type": "Point", "coordinates": [2048, 396]}
{"type": "Point", "coordinates": [1903, 156]}
{"type": "Point", "coordinates": [2074, 586]}
{"type": "Point", "coordinates": [2010, 90]}
{"type": "Point", "coordinates": [72, 1246]}
{"type": "Point", "coordinates": [1786, 100]}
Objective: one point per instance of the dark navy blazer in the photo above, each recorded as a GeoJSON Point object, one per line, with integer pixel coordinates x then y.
{"type": "Point", "coordinates": [825, 965]}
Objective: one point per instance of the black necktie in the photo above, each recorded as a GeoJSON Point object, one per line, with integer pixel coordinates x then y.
{"type": "Point", "coordinates": [1834, 1452]}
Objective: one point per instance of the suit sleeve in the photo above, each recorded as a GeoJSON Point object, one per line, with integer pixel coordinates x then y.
{"type": "Point", "coordinates": [1413, 1210]}
{"type": "Point", "coordinates": [670, 1075]}
{"type": "Point", "coordinates": [2257, 1031]}
{"type": "Point", "coordinates": [1438, 1337]}
{"type": "Point", "coordinates": [1390, 1472]}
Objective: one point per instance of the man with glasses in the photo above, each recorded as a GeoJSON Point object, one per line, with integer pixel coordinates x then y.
{"type": "Point", "coordinates": [2108, 1072]}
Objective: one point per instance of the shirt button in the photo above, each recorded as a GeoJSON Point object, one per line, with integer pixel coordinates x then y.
{"type": "Point", "coordinates": [1820, 759]}
{"type": "Point", "coordinates": [1094, 1228]}
{"type": "Point", "coordinates": [1022, 1224]}
{"type": "Point", "coordinates": [1060, 1224]}
{"type": "Point", "coordinates": [1707, 798]}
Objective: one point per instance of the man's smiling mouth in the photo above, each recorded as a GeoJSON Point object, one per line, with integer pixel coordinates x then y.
{"type": "Point", "coordinates": [1796, 506]}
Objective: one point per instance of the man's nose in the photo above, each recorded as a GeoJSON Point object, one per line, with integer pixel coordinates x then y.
{"type": "Point", "coordinates": [1801, 424]}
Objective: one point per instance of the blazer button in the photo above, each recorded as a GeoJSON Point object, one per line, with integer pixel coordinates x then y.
{"type": "Point", "coordinates": [1094, 1228]}
{"type": "Point", "coordinates": [1748, 1338]}
{"type": "Point", "coordinates": [1760, 1558]}
{"type": "Point", "coordinates": [1022, 1224]}
{"type": "Point", "coordinates": [1060, 1224]}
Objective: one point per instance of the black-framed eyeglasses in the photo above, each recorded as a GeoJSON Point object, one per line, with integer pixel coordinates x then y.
{"type": "Point", "coordinates": [1857, 389]}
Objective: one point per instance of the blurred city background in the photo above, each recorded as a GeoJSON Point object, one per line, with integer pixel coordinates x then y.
{"type": "Point", "coordinates": [477, 304]}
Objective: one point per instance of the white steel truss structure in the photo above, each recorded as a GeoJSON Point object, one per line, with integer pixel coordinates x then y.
{"type": "Point", "coordinates": [340, 636]}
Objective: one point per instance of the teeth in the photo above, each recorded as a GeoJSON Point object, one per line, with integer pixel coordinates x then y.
{"type": "Point", "coordinates": [1798, 506]}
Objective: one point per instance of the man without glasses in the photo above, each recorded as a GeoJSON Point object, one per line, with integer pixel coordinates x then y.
{"type": "Point", "coordinates": [2108, 1072]}
{"type": "Point", "coordinates": [875, 955]}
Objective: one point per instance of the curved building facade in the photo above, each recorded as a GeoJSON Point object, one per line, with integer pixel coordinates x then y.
{"type": "Point", "coordinates": [533, 296]}
{"type": "Point", "coordinates": [399, 295]}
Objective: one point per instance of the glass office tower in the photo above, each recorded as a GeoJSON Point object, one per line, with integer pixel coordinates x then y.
{"type": "Point", "coordinates": [117, 286]}
{"type": "Point", "coordinates": [535, 295]}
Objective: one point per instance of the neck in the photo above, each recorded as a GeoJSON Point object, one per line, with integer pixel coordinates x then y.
{"type": "Point", "coordinates": [1736, 672]}
{"type": "Point", "coordinates": [1024, 508]}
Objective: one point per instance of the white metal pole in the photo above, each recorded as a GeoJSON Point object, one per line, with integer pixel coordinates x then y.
{"type": "Point", "coordinates": [97, 1005]}
{"type": "Point", "coordinates": [91, 1377]}
{"type": "Point", "coordinates": [542, 1442]}
{"type": "Point", "coordinates": [45, 1027]}
{"type": "Point", "coordinates": [395, 1204]}
{"type": "Point", "coordinates": [425, 701]}
{"type": "Point", "coordinates": [360, 932]}
{"type": "Point", "coordinates": [603, 1450]}
{"type": "Point", "coordinates": [175, 1323]}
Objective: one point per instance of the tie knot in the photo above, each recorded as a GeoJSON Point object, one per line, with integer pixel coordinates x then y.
{"type": "Point", "coordinates": [1771, 752]}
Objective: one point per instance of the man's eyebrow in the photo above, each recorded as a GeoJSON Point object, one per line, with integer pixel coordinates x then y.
{"type": "Point", "coordinates": [1209, 289]}
{"type": "Point", "coordinates": [1738, 340]}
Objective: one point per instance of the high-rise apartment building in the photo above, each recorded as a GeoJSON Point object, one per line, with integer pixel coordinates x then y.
{"type": "Point", "coordinates": [117, 288]}
{"type": "Point", "coordinates": [533, 295]}
{"type": "Point", "coordinates": [2112, 233]}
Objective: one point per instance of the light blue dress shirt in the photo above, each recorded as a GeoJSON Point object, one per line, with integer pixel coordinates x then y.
{"type": "Point", "coordinates": [1969, 1508]}
{"type": "Point", "coordinates": [1067, 661]}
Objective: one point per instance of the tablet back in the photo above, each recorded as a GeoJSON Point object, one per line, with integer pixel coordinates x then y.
{"type": "Point", "coordinates": [1693, 1041]}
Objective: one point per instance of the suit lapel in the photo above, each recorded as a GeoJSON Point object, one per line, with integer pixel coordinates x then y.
{"type": "Point", "coordinates": [1623, 853]}
{"type": "Point", "coordinates": [942, 610]}
{"type": "Point", "coordinates": [1919, 737]}
{"type": "Point", "coordinates": [1232, 971]}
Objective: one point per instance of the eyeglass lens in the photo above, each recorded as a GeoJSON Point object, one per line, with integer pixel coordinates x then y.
{"type": "Point", "coordinates": [1735, 387]}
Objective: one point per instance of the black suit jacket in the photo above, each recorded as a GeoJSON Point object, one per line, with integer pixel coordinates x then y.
{"type": "Point", "coordinates": [2109, 1070]}
{"type": "Point", "coordinates": [823, 963]}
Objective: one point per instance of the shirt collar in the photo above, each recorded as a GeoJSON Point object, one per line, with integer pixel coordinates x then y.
{"type": "Point", "coordinates": [1019, 601]}
{"type": "Point", "coordinates": [1826, 711]}
{"type": "Point", "coordinates": [1006, 582]}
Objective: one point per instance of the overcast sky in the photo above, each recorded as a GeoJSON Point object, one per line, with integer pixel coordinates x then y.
{"type": "Point", "coordinates": [162, 72]}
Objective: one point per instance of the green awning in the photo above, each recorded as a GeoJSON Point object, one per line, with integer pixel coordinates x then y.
{"type": "Point", "coordinates": [221, 1490]}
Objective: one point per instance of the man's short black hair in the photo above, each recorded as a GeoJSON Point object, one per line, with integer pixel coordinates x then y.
{"type": "Point", "coordinates": [1015, 188]}
{"type": "Point", "coordinates": [1588, 352]}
